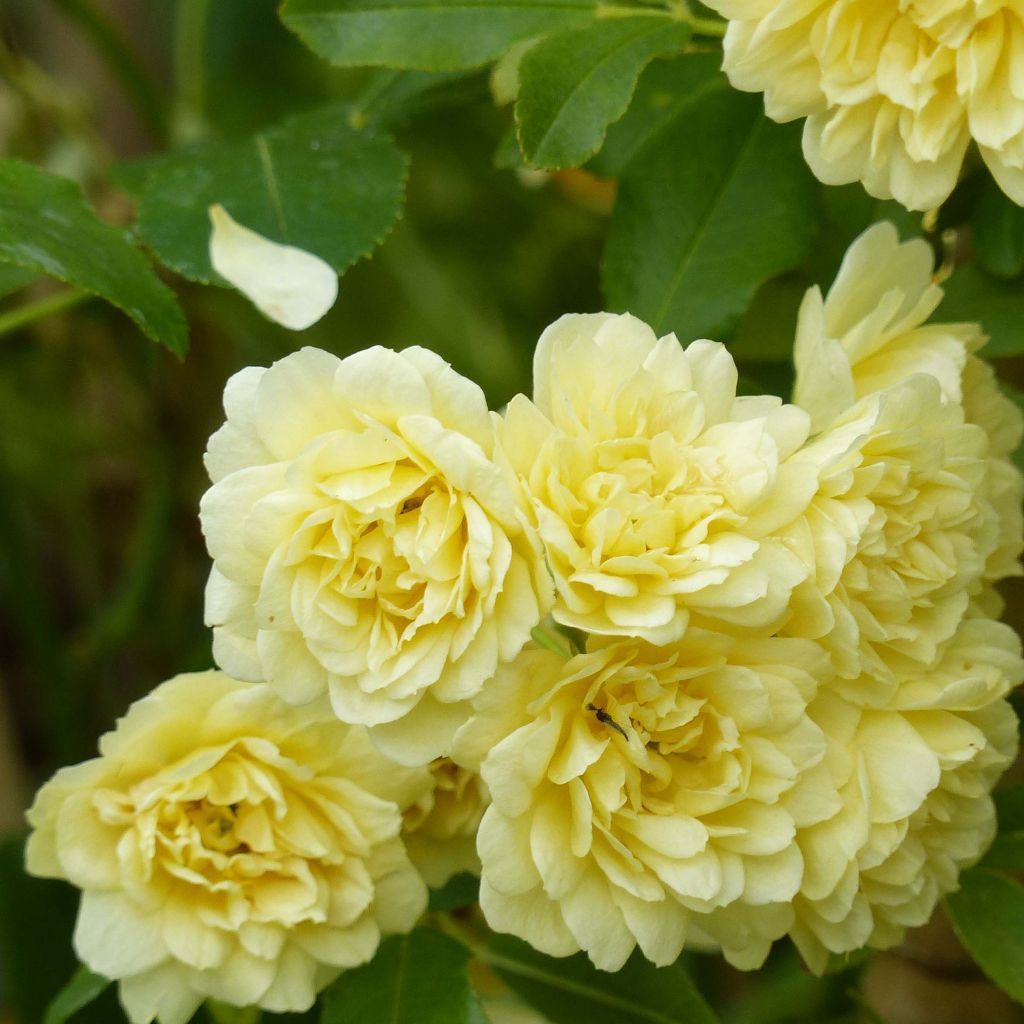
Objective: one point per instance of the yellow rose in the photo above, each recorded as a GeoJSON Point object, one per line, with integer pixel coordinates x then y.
{"type": "Point", "coordinates": [656, 492]}
{"type": "Point", "coordinates": [893, 92]}
{"type": "Point", "coordinates": [440, 828]}
{"type": "Point", "coordinates": [914, 778]}
{"type": "Point", "coordinates": [229, 847]}
{"type": "Point", "coordinates": [637, 789]}
{"type": "Point", "coordinates": [870, 333]}
{"type": "Point", "coordinates": [897, 536]}
{"type": "Point", "coordinates": [366, 543]}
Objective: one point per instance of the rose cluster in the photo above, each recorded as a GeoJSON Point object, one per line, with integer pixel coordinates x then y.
{"type": "Point", "coordinates": [664, 663]}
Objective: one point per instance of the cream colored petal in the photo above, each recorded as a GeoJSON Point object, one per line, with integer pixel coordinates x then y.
{"type": "Point", "coordinates": [161, 994]}
{"type": "Point", "coordinates": [423, 733]}
{"type": "Point", "coordinates": [114, 937]}
{"type": "Point", "coordinates": [286, 284]}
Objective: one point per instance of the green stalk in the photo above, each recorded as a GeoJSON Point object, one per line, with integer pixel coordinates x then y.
{"type": "Point", "coordinates": [122, 60]}
{"type": "Point", "coordinates": [190, 71]}
{"type": "Point", "coordinates": [39, 310]}
{"type": "Point", "coordinates": [545, 639]}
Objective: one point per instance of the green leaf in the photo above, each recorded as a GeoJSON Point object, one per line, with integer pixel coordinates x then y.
{"type": "Point", "coordinates": [718, 201]}
{"type": "Point", "coordinates": [461, 890]}
{"type": "Point", "coordinates": [46, 227]}
{"type": "Point", "coordinates": [665, 91]}
{"type": "Point", "coordinates": [313, 181]}
{"type": "Point", "coordinates": [999, 232]}
{"type": "Point", "coordinates": [392, 97]}
{"type": "Point", "coordinates": [844, 213]}
{"type": "Point", "coordinates": [575, 83]}
{"type": "Point", "coordinates": [988, 915]}
{"type": "Point", "coordinates": [768, 328]}
{"type": "Point", "coordinates": [1008, 849]}
{"type": "Point", "coordinates": [432, 35]}
{"type": "Point", "coordinates": [83, 988]}
{"type": "Point", "coordinates": [14, 278]}
{"type": "Point", "coordinates": [572, 990]}
{"type": "Point", "coordinates": [419, 978]}
{"type": "Point", "coordinates": [997, 305]}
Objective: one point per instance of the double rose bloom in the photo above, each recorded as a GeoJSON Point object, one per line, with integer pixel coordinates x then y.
{"type": "Point", "coordinates": [677, 665]}
{"type": "Point", "coordinates": [895, 95]}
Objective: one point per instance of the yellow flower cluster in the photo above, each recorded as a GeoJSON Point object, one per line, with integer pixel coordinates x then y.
{"type": "Point", "coordinates": [662, 663]}
{"type": "Point", "coordinates": [894, 93]}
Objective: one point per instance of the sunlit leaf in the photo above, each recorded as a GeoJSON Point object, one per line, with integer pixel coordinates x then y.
{"type": "Point", "coordinates": [575, 83]}
{"type": "Point", "coordinates": [432, 35]}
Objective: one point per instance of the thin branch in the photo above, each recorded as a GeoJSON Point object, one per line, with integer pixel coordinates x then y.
{"type": "Point", "coordinates": [39, 310]}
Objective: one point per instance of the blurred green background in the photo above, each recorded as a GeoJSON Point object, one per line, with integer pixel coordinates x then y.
{"type": "Point", "coordinates": [102, 565]}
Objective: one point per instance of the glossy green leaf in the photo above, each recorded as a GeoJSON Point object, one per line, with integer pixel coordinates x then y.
{"type": "Point", "coordinates": [717, 202]}
{"type": "Point", "coordinates": [13, 278]}
{"type": "Point", "coordinates": [664, 93]}
{"type": "Point", "coordinates": [572, 990]}
{"type": "Point", "coordinates": [432, 35]}
{"type": "Point", "coordinates": [999, 232]}
{"type": "Point", "coordinates": [47, 228]}
{"type": "Point", "coordinates": [997, 305]}
{"type": "Point", "coordinates": [83, 988]}
{"type": "Point", "coordinates": [988, 915]}
{"type": "Point", "coordinates": [313, 181]}
{"type": "Point", "coordinates": [420, 978]}
{"type": "Point", "coordinates": [573, 84]}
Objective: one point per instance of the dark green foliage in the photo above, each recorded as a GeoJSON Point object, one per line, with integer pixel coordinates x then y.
{"type": "Point", "coordinates": [46, 228]}
{"type": "Point", "coordinates": [419, 978]}
{"type": "Point", "coordinates": [572, 990]}
{"type": "Point", "coordinates": [716, 202]}
{"type": "Point", "coordinates": [314, 181]}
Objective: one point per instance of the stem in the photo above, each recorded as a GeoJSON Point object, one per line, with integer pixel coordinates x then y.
{"type": "Point", "coordinates": [29, 609]}
{"type": "Point", "coordinates": [701, 26]}
{"type": "Point", "coordinates": [707, 27]}
{"type": "Point", "coordinates": [545, 639]}
{"type": "Point", "coordinates": [123, 62]}
{"type": "Point", "coordinates": [33, 311]}
{"type": "Point", "coordinates": [222, 1013]}
{"type": "Point", "coordinates": [677, 9]}
{"type": "Point", "coordinates": [190, 70]}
